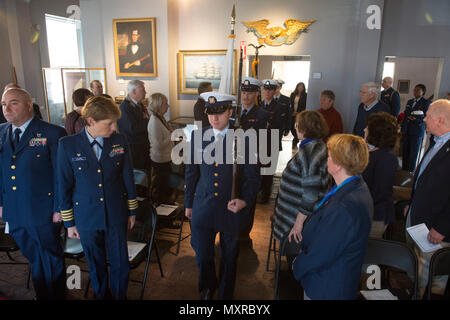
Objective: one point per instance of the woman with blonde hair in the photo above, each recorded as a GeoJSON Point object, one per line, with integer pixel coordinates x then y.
{"type": "Point", "coordinates": [97, 196]}
{"type": "Point", "coordinates": [161, 145]}
{"type": "Point", "coordinates": [335, 237]}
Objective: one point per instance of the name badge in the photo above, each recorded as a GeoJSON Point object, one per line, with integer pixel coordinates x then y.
{"type": "Point", "coordinates": [38, 142]}
{"type": "Point", "coordinates": [417, 113]}
{"type": "Point", "coordinates": [79, 159]}
{"type": "Point", "coordinates": [116, 151]}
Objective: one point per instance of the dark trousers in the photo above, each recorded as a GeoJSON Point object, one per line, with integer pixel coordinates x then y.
{"type": "Point", "coordinates": [96, 244]}
{"type": "Point", "coordinates": [162, 192]}
{"type": "Point", "coordinates": [203, 243]}
{"type": "Point", "coordinates": [411, 149]}
{"type": "Point", "coordinates": [266, 186]}
{"type": "Point", "coordinates": [42, 247]}
{"type": "Point", "coordinates": [294, 133]}
{"type": "Point", "coordinates": [140, 156]}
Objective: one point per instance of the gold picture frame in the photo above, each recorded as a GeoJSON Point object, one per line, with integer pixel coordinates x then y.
{"type": "Point", "coordinates": [135, 47]}
{"type": "Point", "coordinates": [195, 66]}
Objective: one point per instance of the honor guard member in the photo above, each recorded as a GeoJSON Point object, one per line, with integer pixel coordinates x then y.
{"type": "Point", "coordinates": [28, 148]}
{"type": "Point", "coordinates": [252, 117]}
{"type": "Point", "coordinates": [390, 96]}
{"type": "Point", "coordinates": [97, 195]}
{"type": "Point", "coordinates": [285, 103]}
{"type": "Point", "coordinates": [274, 123]}
{"type": "Point", "coordinates": [209, 204]}
{"type": "Point", "coordinates": [413, 127]}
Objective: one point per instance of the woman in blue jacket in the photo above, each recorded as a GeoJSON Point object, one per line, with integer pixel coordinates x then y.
{"type": "Point", "coordinates": [334, 238]}
{"type": "Point", "coordinates": [97, 195]}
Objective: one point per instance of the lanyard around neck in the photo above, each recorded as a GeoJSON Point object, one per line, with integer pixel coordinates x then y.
{"type": "Point", "coordinates": [334, 190]}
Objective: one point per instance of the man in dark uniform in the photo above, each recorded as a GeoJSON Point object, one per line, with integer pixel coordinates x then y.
{"type": "Point", "coordinates": [285, 103]}
{"type": "Point", "coordinates": [252, 117]}
{"type": "Point", "coordinates": [133, 124]}
{"type": "Point", "coordinates": [28, 148]}
{"type": "Point", "coordinates": [138, 56]}
{"type": "Point", "coordinates": [413, 127]}
{"type": "Point", "coordinates": [274, 123]}
{"type": "Point", "coordinates": [390, 96]}
{"type": "Point", "coordinates": [208, 199]}
{"type": "Point", "coordinates": [199, 107]}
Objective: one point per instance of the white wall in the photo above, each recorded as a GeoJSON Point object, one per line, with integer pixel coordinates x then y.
{"type": "Point", "coordinates": [98, 40]}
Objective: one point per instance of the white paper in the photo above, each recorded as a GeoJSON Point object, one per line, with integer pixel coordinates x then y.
{"type": "Point", "coordinates": [134, 248]}
{"type": "Point", "coordinates": [419, 233]}
{"type": "Point", "coordinates": [6, 227]}
{"type": "Point", "coordinates": [384, 294]}
{"type": "Point", "coordinates": [165, 209]}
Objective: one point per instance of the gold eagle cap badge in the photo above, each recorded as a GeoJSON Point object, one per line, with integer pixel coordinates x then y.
{"type": "Point", "coordinates": [212, 100]}
{"type": "Point", "coordinates": [276, 36]}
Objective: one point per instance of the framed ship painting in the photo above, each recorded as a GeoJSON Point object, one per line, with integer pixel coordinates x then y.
{"type": "Point", "coordinates": [135, 47]}
{"type": "Point", "coordinates": [195, 67]}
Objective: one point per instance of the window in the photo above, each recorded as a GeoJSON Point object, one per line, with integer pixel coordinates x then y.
{"type": "Point", "coordinates": [292, 72]}
{"type": "Point", "coordinates": [388, 71]}
{"type": "Point", "coordinates": [64, 42]}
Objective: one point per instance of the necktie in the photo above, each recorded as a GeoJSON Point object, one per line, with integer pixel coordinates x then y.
{"type": "Point", "coordinates": [95, 142]}
{"type": "Point", "coordinates": [96, 151]}
{"type": "Point", "coordinates": [219, 137]}
{"type": "Point", "coordinates": [244, 113]}
{"type": "Point", "coordinates": [17, 133]}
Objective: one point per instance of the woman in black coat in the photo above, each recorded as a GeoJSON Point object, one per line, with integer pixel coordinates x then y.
{"type": "Point", "coordinates": [298, 104]}
{"type": "Point", "coordinates": [381, 134]}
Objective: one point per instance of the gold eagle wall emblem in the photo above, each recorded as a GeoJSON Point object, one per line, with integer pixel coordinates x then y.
{"type": "Point", "coordinates": [276, 36]}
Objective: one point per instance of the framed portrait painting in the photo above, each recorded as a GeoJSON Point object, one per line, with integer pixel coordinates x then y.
{"type": "Point", "coordinates": [195, 67]}
{"type": "Point", "coordinates": [135, 47]}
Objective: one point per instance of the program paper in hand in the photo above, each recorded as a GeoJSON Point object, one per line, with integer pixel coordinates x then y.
{"type": "Point", "coordinates": [419, 233]}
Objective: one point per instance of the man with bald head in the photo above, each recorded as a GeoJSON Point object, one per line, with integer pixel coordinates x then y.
{"type": "Point", "coordinates": [369, 96]}
{"type": "Point", "coordinates": [430, 198]}
{"type": "Point", "coordinates": [28, 203]}
{"type": "Point", "coordinates": [390, 96]}
{"type": "Point", "coordinates": [36, 109]}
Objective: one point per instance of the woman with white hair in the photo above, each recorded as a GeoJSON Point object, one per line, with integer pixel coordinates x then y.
{"type": "Point", "coordinates": [160, 143]}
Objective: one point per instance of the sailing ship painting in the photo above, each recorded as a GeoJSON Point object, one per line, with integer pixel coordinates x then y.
{"type": "Point", "coordinates": [200, 66]}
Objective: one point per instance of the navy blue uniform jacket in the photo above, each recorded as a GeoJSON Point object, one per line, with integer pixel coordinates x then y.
{"type": "Point", "coordinates": [415, 127]}
{"type": "Point", "coordinates": [28, 175]}
{"type": "Point", "coordinates": [95, 194]}
{"type": "Point", "coordinates": [392, 99]}
{"type": "Point", "coordinates": [334, 244]}
{"type": "Point", "coordinates": [208, 190]}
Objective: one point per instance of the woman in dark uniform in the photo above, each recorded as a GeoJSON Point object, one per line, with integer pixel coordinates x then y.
{"type": "Point", "coordinates": [97, 195]}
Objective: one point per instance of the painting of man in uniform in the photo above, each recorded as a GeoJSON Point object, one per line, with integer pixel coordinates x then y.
{"type": "Point", "coordinates": [134, 44]}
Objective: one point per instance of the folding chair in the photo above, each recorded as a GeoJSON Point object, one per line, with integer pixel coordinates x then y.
{"type": "Point", "coordinates": [8, 245]}
{"type": "Point", "coordinates": [272, 245]}
{"type": "Point", "coordinates": [439, 266]}
{"type": "Point", "coordinates": [394, 254]}
{"type": "Point", "coordinates": [145, 234]}
{"type": "Point", "coordinates": [286, 249]}
{"type": "Point", "coordinates": [176, 182]}
{"type": "Point", "coordinates": [272, 241]}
